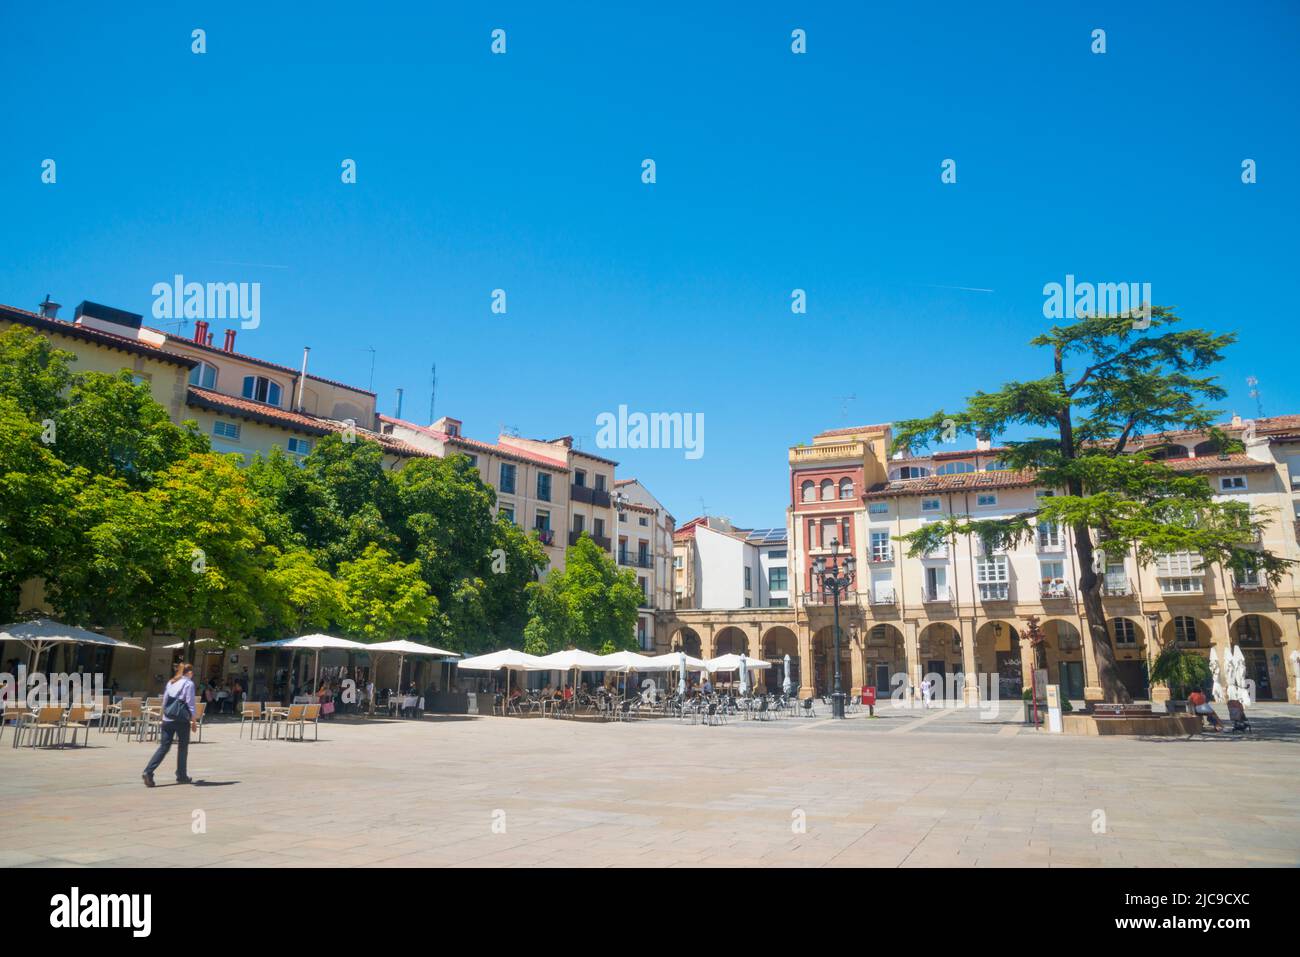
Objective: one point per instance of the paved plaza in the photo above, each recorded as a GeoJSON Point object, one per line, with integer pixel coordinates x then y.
{"type": "Point", "coordinates": [912, 789]}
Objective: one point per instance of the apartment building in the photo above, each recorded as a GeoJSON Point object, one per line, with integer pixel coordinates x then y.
{"type": "Point", "coordinates": [717, 565]}
{"type": "Point", "coordinates": [958, 610]}
{"type": "Point", "coordinates": [645, 545]}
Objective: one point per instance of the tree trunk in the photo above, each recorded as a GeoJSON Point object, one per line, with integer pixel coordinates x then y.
{"type": "Point", "coordinates": [1112, 688]}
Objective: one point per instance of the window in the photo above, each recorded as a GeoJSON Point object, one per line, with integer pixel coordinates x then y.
{"type": "Point", "coordinates": [579, 478]}
{"type": "Point", "coordinates": [954, 468]}
{"type": "Point", "coordinates": [882, 549]}
{"type": "Point", "coordinates": [1049, 536]}
{"type": "Point", "coordinates": [911, 472]}
{"type": "Point", "coordinates": [598, 527]}
{"type": "Point", "coordinates": [779, 603]}
{"type": "Point", "coordinates": [1116, 579]}
{"type": "Point", "coordinates": [600, 483]}
{"type": "Point", "coordinates": [846, 488]}
{"type": "Point", "coordinates": [828, 490]}
{"type": "Point", "coordinates": [204, 376]}
{"type": "Point", "coordinates": [1232, 483]}
{"type": "Point", "coordinates": [643, 521]}
{"type": "Point", "coordinates": [996, 467]}
{"type": "Point", "coordinates": [777, 579]}
{"type": "Point", "coordinates": [508, 513]}
{"type": "Point", "coordinates": [1178, 574]}
{"type": "Point", "coordinates": [299, 446]}
{"type": "Point", "coordinates": [930, 505]}
{"type": "Point", "coordinates": [878, 508]}
{"type": "Point", "coordinates": [1123, 632]}
{"type": "Point", "coordinates": [808, 492]}
{"type": "Point", "coordinates": [544, 486]}
{"type": "Point", "coordinates": [507, 482]}
{"type": "Point", "coordinates": [141, 378]}
{"type": "Point", "coordinates": [1246, 578]}
{"type": "Point", "coordinates": [830, 532]}
{"type": "Point", "coordinates": [677, 561]}
{"type": "Point", "coordinates": [643, 553]}
{"type": "Point", "coordinates": [578, 525]}
{"type": "Point", "coordinates": [986, 499]}
{"type": "Point", "coordinates": [473, 460]}
{"type": "Point", "coordinates": [777, 554]}
{"type": "Point", "coordinates": [261, 389]}
{"type": "Point", "coordinates": [992, 574]}
{"type": "Point", "coordinates": [226, 430]}
{"type": "Point", "coordinates": [542, 521]}
{"type": "Point", "coordinates": [1185, 630]}
{"type": "Point", "coordinates": [749, 578]}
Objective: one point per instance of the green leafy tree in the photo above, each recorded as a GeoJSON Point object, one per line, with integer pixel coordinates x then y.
{"type": "Point", "coordinates": [591, 604]}
{"type": "Point", "coordinates": [37, 493]}
{"type": "Point", "coordinates": [110, 425]}
{"type": "Point", "coordinates": [33, 372]}
{"type": "Point", "coordinates": [347, 500]}
{"type": "Point", "coordinates": [308, 597]}
{"type": "Point", "coordinates": [1109, 379]}
{"type": "Point", "coordinates": [383, 599]}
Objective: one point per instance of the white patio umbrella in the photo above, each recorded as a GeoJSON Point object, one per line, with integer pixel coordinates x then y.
{"type": "Point", "coordinates": [507, 658]}
{"type": "Point", "coordinates": [401, 647]}
{"type": "Point", "coordinates": [1216, 693]}
{"type": "Point", "coordinates": [744, 677]}
{"type": "Point", "coordinates": [681, 673]}
{"type": "Point", "coordinates": [40, 633]}
{"type": "Point", "coordinates": [1239, 666]}
{"type": "Point", "coordinates": [315, 643]}
{"type": "Point", "coordinates": [733, 662]}
{"type": "Point", "coordinates": [574, 659]}
{"type": "Point", "coordinates": [787, 686]}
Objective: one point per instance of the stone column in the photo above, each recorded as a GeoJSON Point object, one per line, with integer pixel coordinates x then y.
{"type": "Point", "coordinates": [706, 642]}
{"type": "Point", "coordinates": [911, 648]}
{"type": "Point", "coordinates": [1091, 679]}
{"type": "Point", "coordinates": [1027, 662]}
{"type": "Point", "coordinates": [806, 689]}
{"type": "Point", "coordinates": [971, 693]}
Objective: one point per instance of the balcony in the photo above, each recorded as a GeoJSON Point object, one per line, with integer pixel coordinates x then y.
{"type": "Point", "coordinates": [589, 496]}
{"type": "Point", "coordinates": [1113, 588]}
{"type": "Point", "coordinates": [882, 558]}
{"type": "Point", "coordinates": [1050, 547]}
{"type": "Point", "coordinates": [882, 598]}
{"type": "Point", "coordinates": [1054, 590]}
{"type": "Point", "coordinates": [1251, 589]}
{"type": "Point", "coordinates": [1181, 585]}
{"type": "Point", "coordinates": [824, 599]}
{"type": "Point", "coordinates": [635, 559]}
{"type": "Point", "coordinates": [546, 536]}
{"type": "Point", "coordinates": [937, 596]}
{"type": "Point", "coordinates": [600, 540]}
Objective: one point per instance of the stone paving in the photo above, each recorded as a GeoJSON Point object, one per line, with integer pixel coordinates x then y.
{"type": "Point", "coordinates": [911, 789]}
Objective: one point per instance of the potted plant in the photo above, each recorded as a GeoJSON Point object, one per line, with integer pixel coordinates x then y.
{"type": "Point", "coordinates": [1182, 671]}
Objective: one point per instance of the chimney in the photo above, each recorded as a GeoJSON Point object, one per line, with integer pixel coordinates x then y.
{"type": "Point", "coordinates": [49, 308]}
{"type": "Point", "coordinates": [230, 341]}
{"type": "Point", "coordinates": [302, 377]}
{"type": "Point", "coordinates": [208, 340]}
{"type": "Point", "coordinates": [983, 441]}
{"type": "Point", "coordinates": [398, 414]}
{"type": "Point", "coordinates": [1236, 421]}
{"type": "Point", "coordinates": [201, 335]}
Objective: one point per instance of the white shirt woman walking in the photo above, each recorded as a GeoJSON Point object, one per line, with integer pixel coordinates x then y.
{"type": "Point", "coordinates": [178, 719]}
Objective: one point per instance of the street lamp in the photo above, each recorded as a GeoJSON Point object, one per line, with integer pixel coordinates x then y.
{"type": "Point", "coordinates": [835, 578]}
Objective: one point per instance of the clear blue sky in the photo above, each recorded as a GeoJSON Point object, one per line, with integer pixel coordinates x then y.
{"type": "Point", "coordinates": [775, 171]}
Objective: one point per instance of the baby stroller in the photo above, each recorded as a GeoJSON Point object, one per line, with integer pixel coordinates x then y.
{"type": "Point", "coordinates": [1237, 712]}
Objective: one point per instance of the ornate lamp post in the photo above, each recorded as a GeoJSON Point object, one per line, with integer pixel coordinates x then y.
{"type": "Point", "coordinates": [835, 578]}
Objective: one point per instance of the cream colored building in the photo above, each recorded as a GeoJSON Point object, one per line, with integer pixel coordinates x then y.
{"type": "Point", "coordinates": [959, 611]}
{"type": "Point", "coordinates": [645, 545]}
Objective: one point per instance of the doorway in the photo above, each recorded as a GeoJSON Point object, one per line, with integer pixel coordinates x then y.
{"type": "Point", "coordinates": [1071, 679]}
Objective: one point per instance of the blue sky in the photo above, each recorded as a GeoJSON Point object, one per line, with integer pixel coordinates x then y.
{"type": "Point", "coordinates": [775, 172]}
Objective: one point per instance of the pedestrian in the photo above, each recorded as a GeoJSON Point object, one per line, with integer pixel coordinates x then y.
{"type": "Point", "coordinates": [178, 719]}
{"type": "Point", "coordinates": [1203, 708]}
{"type": "Point", "coordinates": [927, 689]}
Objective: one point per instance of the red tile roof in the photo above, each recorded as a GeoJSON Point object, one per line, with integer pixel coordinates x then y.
{"type": "Point", "coordinates": [297, 421]}
{"type": "Point", "coordinates": [978, 481]}
{"type": "Point", "coordinates": [87, 334]}
{"type": "Point", "coordinates": [858, 428]}
{"type": "Point", "coordinates": [506, 451]}
{"type": "Point", "coordinates": [214, 350]}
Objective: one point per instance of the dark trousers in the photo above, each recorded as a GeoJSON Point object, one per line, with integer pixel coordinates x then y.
{"type": "Point", "coordinates": [181, 731]}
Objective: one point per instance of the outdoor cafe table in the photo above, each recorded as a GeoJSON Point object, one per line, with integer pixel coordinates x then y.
{"type": "Point", "coordinates": [398, 702]}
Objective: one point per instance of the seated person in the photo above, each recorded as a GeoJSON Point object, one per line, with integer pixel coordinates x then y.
{"type": "Point", "coordinates": [1206, 710]}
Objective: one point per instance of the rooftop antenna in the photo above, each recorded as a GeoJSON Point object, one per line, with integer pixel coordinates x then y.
{"type": "Point", "coordinates": [844, 402]}
{"type": "Point", "coordinates": [704, 509]}
{"type": "Point", "coordinates": [398, 414]}
{"type": "Point", "coordinates": [48, 307]}
{"type": "Point", "coordinates": [433, 391]}
{"type": "Point", "coordinates": [372, 368]}
{"type": "Point", "coordinates": [1254, 394]}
